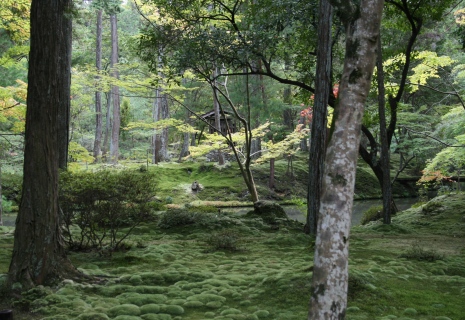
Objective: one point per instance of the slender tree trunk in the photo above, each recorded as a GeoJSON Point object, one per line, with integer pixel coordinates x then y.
{"type": "Point", "coordinates": [107, 124]}
{"type": "Point", "coordinates": [38, 256]}
{"type": "Point", "coordinates": [362, 21]}
{"type": "Point", "coordinates": [386, 186]}
{"type": "Point", "coordinates": [288, 113]}
{"type": "Point", "coordinates": [216, 108]}
{"type": "Point", "coordinates": [155, 137]}
{"type": "Point", "coordinates": [160, 111]}
{"type": "Point", "coordinates": [115, 128]}
{"type": "Point", "coordinates": [185, 139]}
{"type": "Point", "coordinates": [98, 94]}
{"type": "Point", "coordinates": [318, 126]}
{"type": "Point", "coordinates": [271, 181]}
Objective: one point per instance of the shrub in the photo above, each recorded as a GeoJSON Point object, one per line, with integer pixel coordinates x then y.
{"type": "Point", "coordinates": [176, 218]}
{"type": "Point", "coordinates": [372, 214]}
{"type": "Point", "coordinates": [7, 205]}
{"type": "Point", "coordinates": [11, 187]}
{"type": "Point", "coordinates": [98, 206]}
{"type": "Point", "coordinates": [416, 252]}
{"type": "Point", "coordinates": [224, 240]}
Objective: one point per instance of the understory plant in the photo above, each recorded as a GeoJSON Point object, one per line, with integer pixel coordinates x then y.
{"type": "Point", "coordinates": [100, 209]}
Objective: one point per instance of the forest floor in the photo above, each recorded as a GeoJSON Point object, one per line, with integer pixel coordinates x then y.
{"type": "Point", "coordinates": [239, 267]}
{"type": "Point", "coordinates": [227, 266]}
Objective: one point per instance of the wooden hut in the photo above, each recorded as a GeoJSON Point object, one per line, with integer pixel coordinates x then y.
{"type": "Point", "coordinates": [225, 121]}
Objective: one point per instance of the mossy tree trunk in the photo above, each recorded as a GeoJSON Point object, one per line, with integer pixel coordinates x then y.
{"type": "Point", "coordinates": [362, 21]}
{"type": "Point", "coordinates": [38, 253]}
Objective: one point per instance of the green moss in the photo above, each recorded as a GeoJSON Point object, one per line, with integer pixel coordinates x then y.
{"type": "Point", "coordinates": [92, 316]}
{"type": "Point", "coordinates": [124, 309]}
{"type": "Point", "coordinates": [140, 299]}
{"type": "Point", "coordinates": [126, 317]}
{"type": "Point", "coordinates": [172, 309]}
{"type": "Point", "coordinates": [410, 312]}
{"type": "Point", "coordinates": [150, 308]}
{"type": "Point", "coordinates": [262, 314]}
{"type": "Point", "coordinates": [230, 311]}
{"type": "Point", "coordinates": [156, 317]}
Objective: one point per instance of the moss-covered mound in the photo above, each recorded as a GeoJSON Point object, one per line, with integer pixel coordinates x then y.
{"type": "Point", "coordinates": [411, 269]}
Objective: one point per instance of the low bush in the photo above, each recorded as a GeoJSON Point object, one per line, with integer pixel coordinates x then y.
{"type": "Point", "coordinates": [372, 214]}
{"type": "Point", "coordinates": [11, 187]}
{"type": "Point", "coordinates": [416, 252]}
{"type": "Point", "coordinates": [227, 240]}
{"type": "Point", "coordinates": [101, 209]}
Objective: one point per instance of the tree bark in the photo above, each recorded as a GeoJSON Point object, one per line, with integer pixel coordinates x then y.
{"type": "Point", "coordinates": [38, 256]}
{"type": "Point", "coordinates": [386, 187]}
{"type": "Point", "coordinates": [330, 274]}
{"type": "Point", "coordinates": [98, 94]}
{"type": "Point", "coordinates": [216, 108]}
{"type": "Point", "coordinates": [116, 123]}
{"type": "Point", "coordinates": [379, 165]}
{"type": "Point", "coordinates": [64, 60]}
{"type": "Point", "coordinates": [319, 119]}
{"type": "Point", "coordinates": [107, 124]}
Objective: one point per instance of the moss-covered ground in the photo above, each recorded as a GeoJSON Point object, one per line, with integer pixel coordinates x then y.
{"type": "Point", "coordinates": [228, 267]}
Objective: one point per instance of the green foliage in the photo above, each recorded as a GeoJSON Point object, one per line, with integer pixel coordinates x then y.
{"type": "Point", "coordinates": [78, 153]}
{"type": "Point", "coordinates": [105, 204]}
{"type": "Point", "coordinates": [11, 187]}
{"type": "Point", "coordinates": [7, 205]}
{"type": "Point", "coordinates": [372, 214]}
{"type": "Point", "coordinates": [417, 252]}
{"type": "Point", "coordinates": [228, 240]}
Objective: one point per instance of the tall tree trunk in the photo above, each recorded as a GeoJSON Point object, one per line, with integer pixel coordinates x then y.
{"type": "Point", "coordinates": [272, 171]}
{"type": "Point", "coordinates": [65, 111]}
{"type": "Point", "coordinates": [155, 143]}
{"type": "Point", "coordinates": [319, 118]}
{"type": "Point", "coordinates": [160, 111]}
{"type": "Point", "coordinates": [386, 186]}
{"type": "Point", "coordinates": [288, 113]}
{"type": "Point", "coordinates": [160, 137]}
{"type": "Point", "coordinates": [107, 124]}
{"type": "Point", "coordinates": [216, 108]}
{"type": "Point", "coordinates": [362, 21]}
{"type": "Point", "coordinates": [38, 256]}
{"type": "Point", "coordinates": [185, 139]}
{"type": "Point", "coordinates": [115, 128]}
{"type": "Point", "coordinates": [98, 94]}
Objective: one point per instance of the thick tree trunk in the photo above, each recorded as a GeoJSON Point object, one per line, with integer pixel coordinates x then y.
{"type": "Point", "coordinates": [330, 274]}
{"type": "Point", "coordinates": [38, 253]}
{"type": "Point", "coordinates": [98, 94]}
{"type": "Point", "coordinates": [319, 119]}
{"type": "Point", "coordinates": [116, 123]}
{"type": "Point", "coordinates": [64, 60]}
